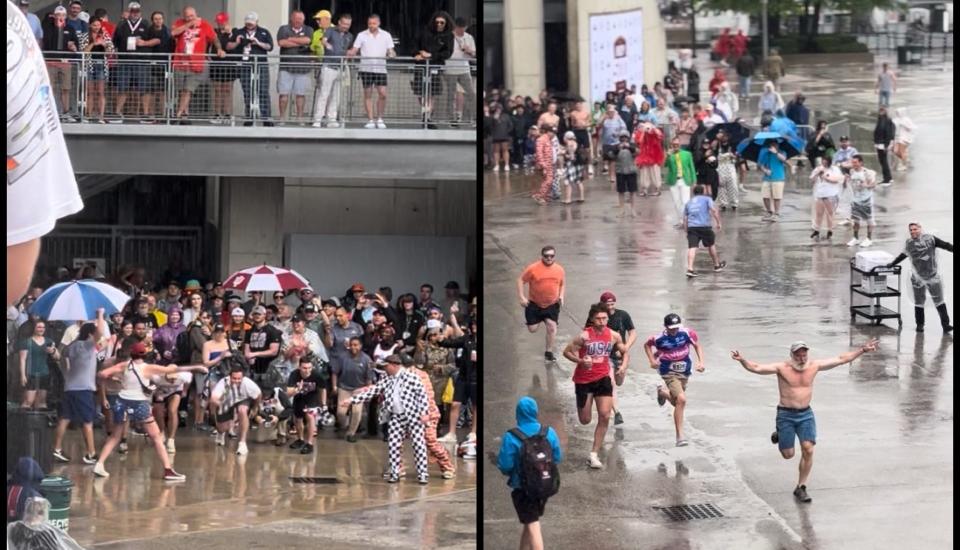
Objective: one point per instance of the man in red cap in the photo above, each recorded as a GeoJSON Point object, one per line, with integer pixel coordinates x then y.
{"type": "Point", "coordinates": [620, 322]}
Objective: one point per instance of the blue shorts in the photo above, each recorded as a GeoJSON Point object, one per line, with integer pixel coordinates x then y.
{"type": "Point", "coordinates": [135, 411]}
{"type": "Point", "coordinates": [792, 424]}
{"type": "Point", "coordinates": [680, 366]}
{"type": "Point", "coordinates": [131, 76]}
{"type": "Point", "coordinates": [78, 406]}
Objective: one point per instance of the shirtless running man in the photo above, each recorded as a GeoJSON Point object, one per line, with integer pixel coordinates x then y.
{"type": "Point", "coordinates": [794, 415]}
{"type": "Point", "coordinates": [590, 350]}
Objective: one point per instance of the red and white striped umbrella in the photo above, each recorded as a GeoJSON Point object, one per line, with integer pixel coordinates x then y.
{"type": "Point", "coordinates": [266, 278]}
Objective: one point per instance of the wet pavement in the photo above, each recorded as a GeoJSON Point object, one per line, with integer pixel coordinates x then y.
{"type": "Point", "coordinates": [230, 501]}
{"type": "Point", "coordinates": [882, 474]}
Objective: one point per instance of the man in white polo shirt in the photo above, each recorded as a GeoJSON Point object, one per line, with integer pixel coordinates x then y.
{"type": "Point", "coordinates": [374, 44]}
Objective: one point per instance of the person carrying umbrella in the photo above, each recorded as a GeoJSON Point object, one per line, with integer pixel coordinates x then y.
{"type": "Point", "coordinates": [772, 162]}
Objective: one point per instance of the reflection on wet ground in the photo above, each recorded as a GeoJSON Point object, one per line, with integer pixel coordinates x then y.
{"type": "Point", "coordinates": [883, 463]}
{"type": "Point", "coordinates": [252, 496]}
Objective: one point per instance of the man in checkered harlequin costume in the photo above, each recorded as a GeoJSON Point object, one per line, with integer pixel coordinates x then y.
{"type": "Point", "coordinates": [405, 402]}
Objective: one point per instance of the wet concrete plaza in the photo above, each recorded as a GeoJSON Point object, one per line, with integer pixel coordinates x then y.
{"type": "Point", "coordinates": [882, 475]}
{"type": "Point", "coordinates": [230, 502]}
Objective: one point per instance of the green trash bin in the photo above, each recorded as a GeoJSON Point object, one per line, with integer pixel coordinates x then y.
{"type": "Point", "coordinates": [57, 490]}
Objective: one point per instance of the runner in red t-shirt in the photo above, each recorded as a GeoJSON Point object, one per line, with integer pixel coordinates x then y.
{"type": "Point", "coordinates": [194, 37]}
{"type": "Point", "coordinates": [590, 350]}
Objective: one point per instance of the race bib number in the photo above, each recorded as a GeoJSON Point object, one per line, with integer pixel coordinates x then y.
{"type": "Point", "coordinates": [678, 366]}
{"type": "Point", "coordinates": [131, 43]}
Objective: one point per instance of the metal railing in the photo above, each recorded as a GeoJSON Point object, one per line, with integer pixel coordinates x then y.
{"type": "Point", "coordinates": [149, 88]}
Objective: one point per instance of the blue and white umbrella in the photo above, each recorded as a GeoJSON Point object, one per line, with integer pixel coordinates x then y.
{"type": "Point", "coordinates": [78, 301]}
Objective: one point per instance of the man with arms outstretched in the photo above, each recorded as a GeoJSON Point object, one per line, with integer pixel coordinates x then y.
{"type": "Point", "coordinates": [794, 415]}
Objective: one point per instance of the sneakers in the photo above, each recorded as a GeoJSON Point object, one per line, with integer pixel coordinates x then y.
{"type": "Point", "coordinates": [242, 448]}
{"type": "Point", "coordinates": [595, 461]}
{"type": "Point", "coordinates": [306, 449]}
{"type": "Point", "coordinates": [317, 125]}
{"type": "Point", "coordinates": [719, 267]}
{"type": "Point", "coordinates": [352, 438]}
{"type": "Point", "coordinates": [218, 120]}
{"type": "Point", "coordinates": [617, 418]}
{"type": "Point", "coordinates": [297, 444]}
{"type": "Point", "coordinates": [866, 242]}
{"type": "Point", "coordinates": [233, 433]}
{"type": "Point", "coordinates": [170, 475]}
{"type": "Point", "coordinates": [801, 493]}
{"type": "Point", "coordinates": [829, 235]}
{"type": "Point", "coordinates": [123, 446]}
{"type": "Point", "coordinates": [380, 124]}
{"type": "Point", "coordinates": [548, 355]}
{"type": "Point", "coordinates": [393, 478]}
{"type": "Point", "coordinates": [767, 217]}
{"type": "Point", "coordinates": [58, 454]}
{"type": "Point", "coordinates": [220, 439]}
{"type": "Point", "coordinates": [775, 217]}
{"type": "Point", "coordinates": [450, 437]}
{"type": "Point", "coordinates": [660, 398]}
{"type": "Point", "coordinates": [853, 242]}
{"type": "Point", "coordinates": [681, 442]}
{"type": "Point", "coordinates": [90, 459]}
{"type": "Point", "coordinates": [815, 235]}
{"type": "Point", "coordinates": [506, 168]}
{"type": "Point", "coordinates": [171, 447]}
{"type": "Point", "coordinates": [118, 120]}
{"type": "Point", "coordinates": [423, 480]}
{"type": "Point", "coordinates": [100, 471]}
{"type": "Point", "coordinates": [775, 437]}
{"type": "Point", "coordinates": [370, 125]}
{"type": "Point", "coordinates": [449, 474]}
{"type": "Point", "coordinates": [333, 125]}
{"type": "Point", "coordinates": [887, 183]}
{"type": "Point", "coordinates": [691, 273]}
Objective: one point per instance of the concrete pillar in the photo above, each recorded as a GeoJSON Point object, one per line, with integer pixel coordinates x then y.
{"type": "Point", "coordinates": [573, 53]}
{"type": "Point", "coordinates": [523, 56]}
{"type": "Point", "coordinates": [251, 223]}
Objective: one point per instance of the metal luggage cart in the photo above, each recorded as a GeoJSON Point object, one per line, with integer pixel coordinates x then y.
{"type": "Point", "coordinates": [863, 283]}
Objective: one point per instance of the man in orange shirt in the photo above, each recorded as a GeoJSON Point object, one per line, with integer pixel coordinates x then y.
{"type": "Point", "coordinates": [546, 280]}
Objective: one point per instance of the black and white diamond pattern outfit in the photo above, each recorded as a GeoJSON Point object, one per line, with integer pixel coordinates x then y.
{"type": "Point", "coordinates": [405, 401]}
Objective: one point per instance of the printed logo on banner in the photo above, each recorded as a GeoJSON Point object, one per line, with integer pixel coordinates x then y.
{"type": "Point", "coordinates": [616, 52]}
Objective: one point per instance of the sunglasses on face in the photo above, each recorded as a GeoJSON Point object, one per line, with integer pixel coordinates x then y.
{"type": "Point", "coordinates": [549, 255]}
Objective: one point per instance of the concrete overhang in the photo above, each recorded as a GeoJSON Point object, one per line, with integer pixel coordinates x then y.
{"type": "Point", "coordinates": [273, 152]}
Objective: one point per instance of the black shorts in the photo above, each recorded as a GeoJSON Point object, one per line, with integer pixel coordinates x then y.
{"type": "Point", "coordinates": [697, 235]}
{"type": "Point", "coordinates": [35, 383]}
{"type": "Point", "coordinates": [536, 314]}
{"type": "Point", "coordinates": [299, 404]}
{"type": "Point", "coordinates": [583, 138]}
{"type": "Point", "coordinates": [464, 391]}
{"type": "Point", "coordinates": [626, 183]}
{"type": "Point", "coordinates": [599, 388]}
{"type": "Point", "coordinates": [528, 509]}
{"type": "Point", "coordinates": [370, 80]}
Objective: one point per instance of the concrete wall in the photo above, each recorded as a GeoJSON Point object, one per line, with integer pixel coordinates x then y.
{"type": "Point", "coordinates": [654, 40]}
{"type": "Point", "coordinates": [251, 223]}
{"type": "Point", "coordinates": [523, 56]}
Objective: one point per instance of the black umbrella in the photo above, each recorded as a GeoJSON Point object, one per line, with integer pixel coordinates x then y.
{"type": "Point", "coordinates": [567, 97]}
{"type": "Point", "coordinates": [750, 148]}
{"type": "Point", "coordinates": [736, 131]}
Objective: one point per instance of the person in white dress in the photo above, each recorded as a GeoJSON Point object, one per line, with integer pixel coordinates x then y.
{"type": "Point", "coordinates": [906, 131]}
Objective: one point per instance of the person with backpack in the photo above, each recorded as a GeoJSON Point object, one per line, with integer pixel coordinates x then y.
{"type": "Point", "coordinates": [24, 484]}
{"type": "Point", "coordinates": [529, 455]}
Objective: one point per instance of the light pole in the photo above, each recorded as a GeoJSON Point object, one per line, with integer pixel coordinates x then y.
{"type": "Point", "coordinates": [693, 27]}
{"type": "Point", "coordinates": [763, 22]}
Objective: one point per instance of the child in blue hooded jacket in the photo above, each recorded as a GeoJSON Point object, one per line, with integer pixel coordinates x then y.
{"type": "Point", "coordinates": [528, 510]}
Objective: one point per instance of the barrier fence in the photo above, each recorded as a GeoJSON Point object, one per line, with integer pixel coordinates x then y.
{"type": "Point", "coordinates": [152, 88]}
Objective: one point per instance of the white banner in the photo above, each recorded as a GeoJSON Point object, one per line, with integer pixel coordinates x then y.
{"type": "Point", "coordinates": [616, 52]}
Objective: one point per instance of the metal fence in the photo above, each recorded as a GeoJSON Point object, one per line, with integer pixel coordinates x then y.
{"type": "Point", "coordinates": [149, 88]}
{"type": "Point", "coordinates": [153, 247]}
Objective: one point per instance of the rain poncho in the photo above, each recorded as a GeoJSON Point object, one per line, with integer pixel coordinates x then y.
{"type": "Point", "coordinates": [905, 127]}
{"type": "Point", "coordinates": [165, 337]}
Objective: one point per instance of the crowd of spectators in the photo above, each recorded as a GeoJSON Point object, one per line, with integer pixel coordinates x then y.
{"type": "Point", "coordinates": [130, 59]}
{"type": "Point", "coordinates": [277, 339]}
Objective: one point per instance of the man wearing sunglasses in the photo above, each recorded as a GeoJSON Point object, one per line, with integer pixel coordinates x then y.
{"type": "Point", "coordinates": [546, 285]}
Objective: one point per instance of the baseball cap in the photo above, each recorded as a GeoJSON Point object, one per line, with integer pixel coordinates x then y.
{"type": "Point", "coordinates": [259, 309]}
{"type": "Point", "coordinates": [24, 2]}
{"type": "Point", "coordinates": [329, 302]}
{"type": "Point", "coordinates": [60, 9]}
{"type": "Point", "coordinates": [844, 138]}
{"type": "Point", "coordinates": [218, 283]}
{"type": "Point", "coordinates": [232, 298]}
{"type": "Point", "coordinates": [672, 320]}
{"type": "Point", "coordinates": [238, 311]}
{"type": "Point", "coordinates": [395, 359]}
{"type": "Point", "coordinates": [322, 13]}
{"type": "Point", "coordinates": [251, 17]}
{"type": "Point", "coordinates": [138, 350]}
{"type": "Point", "coordinates": [221, 18]}
{"type": "Point", "coordinates": [133, 6]}
{"type": "Point", "coordinates": [84, 16]}
{"type": "Point", "coordinates": [569, 135]}
{"type": "Point", "coordinates": [608, 297]}
{"type": "Point", "coordinates": [310, 309]}
{"type": "Point", "coordinates": [798, 345]}
{"type": "Point", "coordinates": [175, 283]}
{"type": "Point", "coordinates": [452, 284]}
{"type": "Point", "coordinates": [434, 323]}
{"type": "Point", "coordinates": [357, 287]}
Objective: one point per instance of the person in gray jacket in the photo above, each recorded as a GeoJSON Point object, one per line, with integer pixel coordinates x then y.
{"type": "Point", "coordinates": [626, 173]}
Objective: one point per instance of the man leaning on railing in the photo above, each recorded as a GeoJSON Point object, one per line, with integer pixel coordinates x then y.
{"type": "Point", "coordinates": [330, 45]}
